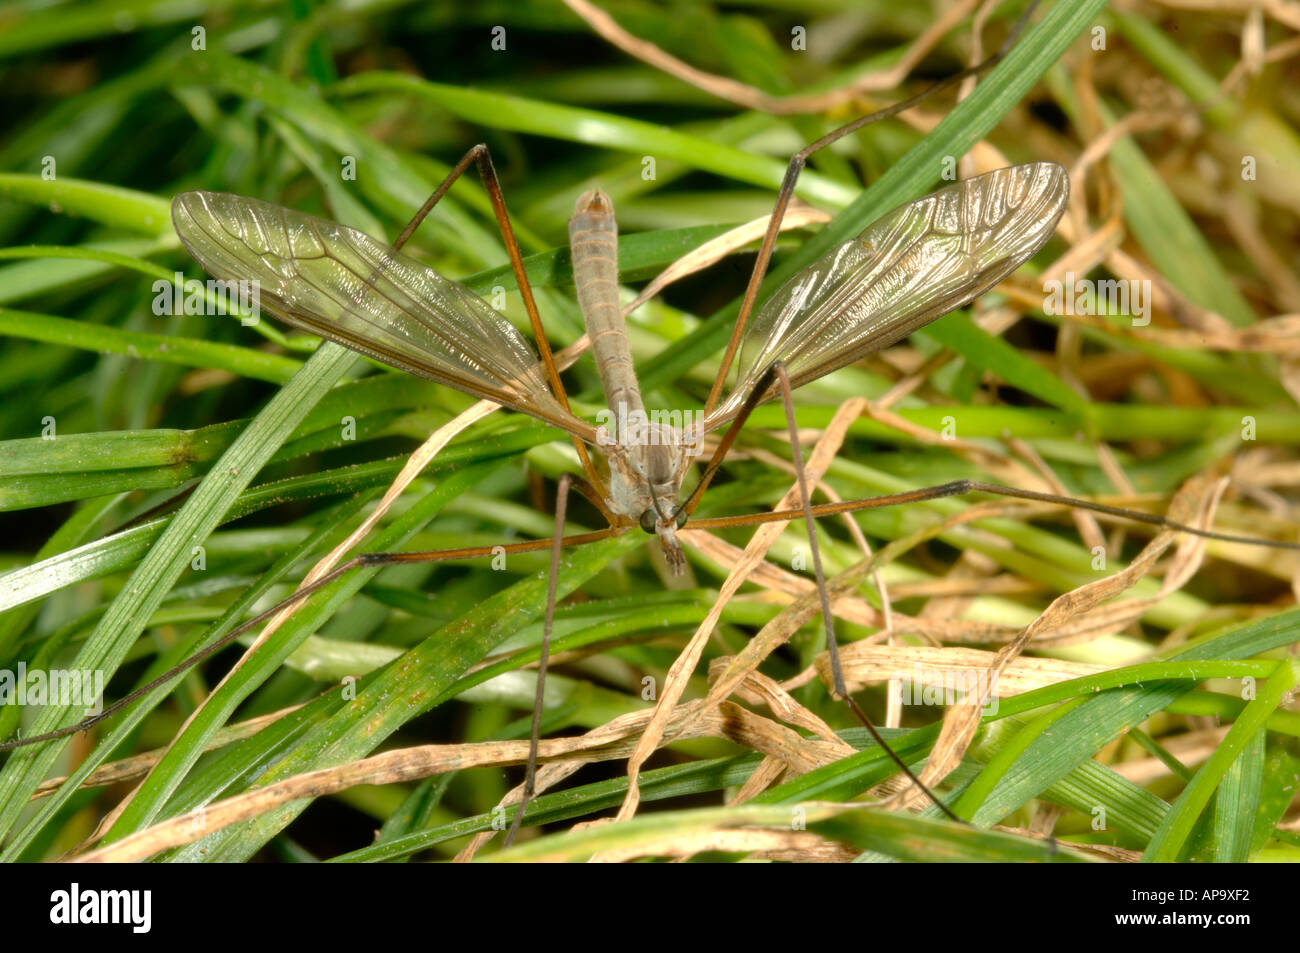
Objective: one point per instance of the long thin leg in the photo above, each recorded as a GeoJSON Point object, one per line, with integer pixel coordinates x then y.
{"type": "Point", "coordinates": [557, 544]}
{"type": "Point", "coordinates": [942, 491]}
{"type": "Point", "coordinates": [962, 487]}
{"type": "Point", "coordinates": [795, 166]}
{"type": "Point", "coordinates": [487, 172]}
{"type": "Point", "coordinates": [832, 647]}
{"type": "Point", "coordinates": [724, 446]}
{"type": "Point", "coordinates": [365, 559]}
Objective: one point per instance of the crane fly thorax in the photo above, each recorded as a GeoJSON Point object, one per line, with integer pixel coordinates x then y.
{"type": "Point", "coordinates": [645, 480]}
{"type": "Point", "coordinates": [646, 474]}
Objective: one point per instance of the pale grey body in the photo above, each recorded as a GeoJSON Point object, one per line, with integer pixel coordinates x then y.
{"type": "Point", "coordinates": [648, 460]}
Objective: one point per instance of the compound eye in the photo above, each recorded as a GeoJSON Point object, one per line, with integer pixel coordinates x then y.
{"type": "Point", "coordinates": [648, 521]}
{"type": "Point", "coordinates": [682, 517]}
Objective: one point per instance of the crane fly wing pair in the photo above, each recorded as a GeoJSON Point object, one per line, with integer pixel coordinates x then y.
{"type": "Point", "coordinates": [341, 284]}
{"type": "Point", "coordinates": [906, 269]}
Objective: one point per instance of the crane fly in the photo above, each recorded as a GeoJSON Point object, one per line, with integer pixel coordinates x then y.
{"type": "Point", "coordinates": [908, 268]}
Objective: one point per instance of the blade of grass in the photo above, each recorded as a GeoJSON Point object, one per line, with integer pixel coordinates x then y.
{"type": "Point", "coordinates": [1177, 825]}
{"type": "Point", "coordinates": [594, 128]}
{"type": "Point", "coordinates": [189, 352]}
{"type": "Point", "coordinates": [168, 558]}
{"type": "Point", "coordinates": [125, 724]}
{"type": "Point", "coordinates": [410, 686]}
{"type": "Point", "coordinates": [1236, 805]}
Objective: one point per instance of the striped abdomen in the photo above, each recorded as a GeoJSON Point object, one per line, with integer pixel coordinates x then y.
{"type": "Point", "coordinates": [593, 242]}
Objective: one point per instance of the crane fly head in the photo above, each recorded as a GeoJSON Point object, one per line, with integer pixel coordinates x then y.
{"type": "Point", "coordinates": [664, 520]}
{"type": "Point", "coordinates": [645, 486]}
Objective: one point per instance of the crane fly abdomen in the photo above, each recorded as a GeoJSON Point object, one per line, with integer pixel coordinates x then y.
{"type": "Point", "coordinates": [647, 459]}
{"type": "Point", "coordinates": [593, 245]}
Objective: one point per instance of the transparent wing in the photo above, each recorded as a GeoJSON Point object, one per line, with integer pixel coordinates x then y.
{"type": "Point", "coordinates": [343, 285]}
{"type": "Point", "coordinates": [906, 269]}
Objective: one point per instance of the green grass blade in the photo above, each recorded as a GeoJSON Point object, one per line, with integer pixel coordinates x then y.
{"type": "Point", "coordinates": [1177, 826]}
